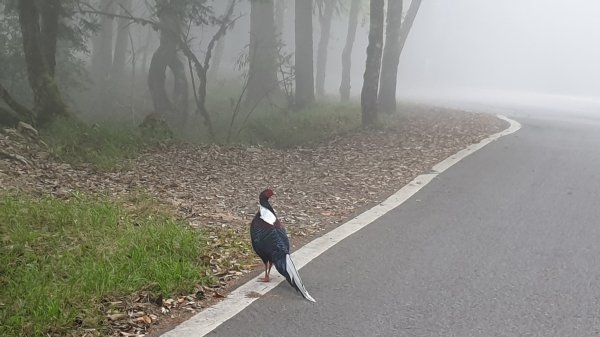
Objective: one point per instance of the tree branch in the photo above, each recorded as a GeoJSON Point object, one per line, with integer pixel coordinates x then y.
{"type": "Point", "coordinates": [92, 10]}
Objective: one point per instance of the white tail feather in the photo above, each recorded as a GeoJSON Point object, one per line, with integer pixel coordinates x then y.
{"type": "Point", "coordinates": [295, 277]}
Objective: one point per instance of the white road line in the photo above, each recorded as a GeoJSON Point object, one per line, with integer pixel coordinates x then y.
{"type": "Point", "coordinates": [209, 319]}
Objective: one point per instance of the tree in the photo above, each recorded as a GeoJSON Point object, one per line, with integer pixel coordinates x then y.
{"type": "Point", "coordinates": [305, 83]}
{"type": "Point", "coordinates": [121, 41]}
{"type": "Point", "coordinates": [280, 9]}
{"type": "Point", "coordinates": [166, 55]}
{"type": "Point", "coordinates": [391, 57]}
{"type": "Point", "coordinates": [215, 63]}
{"type": "Point", "coordinates": [262, 73]}
{"type": "Point", "coordinates": [347, 52]}
{"type": "Point", "coordinates": [102, 44]}
{"type": "Point", "coordinates": [39, 22]}
{"type": "Point", "coordinates": [396, 35]}
{"type": "Point", "coordinates": [325, 18]}
{"type": "Point", "coordinates": [411, 14]}
{"type": "Point", "coordinates": [373, 65]}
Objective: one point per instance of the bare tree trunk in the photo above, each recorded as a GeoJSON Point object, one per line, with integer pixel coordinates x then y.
{"type": "Point", "coordinates": [325, 22]}
{"type": "Point", "coordinates": [373, 65]}
{"type": "Point", "coordinates": [50, 12]}
{"type": "Point", "coordinates": [146, 49]}
{"type": "Point", "coordinates": [391, 57]}
{"type": "Point", "coordinates": [102, 44]}
{"type": "Point", "coordinates": [166, 56]}
{"type": "Point", "coordinates": [215, 62]}
{"type": "Point", "coordinates": [122, 42]}
{"type": "Point", "coordinates": [156, 81]}
{"type": "Point", "coordinates": [347, 52]}
{"type": "Point", "coordinates": [305, 83]}
{"type": "Point", "coordinates": [38, 46]}
{"type": "Point", "coordinates": [263, 52]}
{"type": "Point", "coordinates": [213, 72]}
{"type": "Point", "coordinates": [280, 8]}
{"type": "Point", "coordinates": [411, 14]}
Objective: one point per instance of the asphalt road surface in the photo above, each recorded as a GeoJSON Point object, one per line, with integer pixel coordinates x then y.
{"type": "Point", "coordinates": [504, 243]}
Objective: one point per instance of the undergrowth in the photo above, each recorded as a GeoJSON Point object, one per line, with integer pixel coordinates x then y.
{"type": "Point", "coordinates": [60, 259]}
{"type": "Point", "coordinates": [104, 146]}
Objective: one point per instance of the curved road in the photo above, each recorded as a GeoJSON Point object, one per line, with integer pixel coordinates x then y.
{"type": "Point", "coordinates": [504, 243]}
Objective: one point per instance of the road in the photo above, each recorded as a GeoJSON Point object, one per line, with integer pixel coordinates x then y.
{"type": "Point", "coordinates": [504, 243]}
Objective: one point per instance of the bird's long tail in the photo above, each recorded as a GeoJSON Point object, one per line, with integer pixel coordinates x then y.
{"type": "Point", "coordinates": [288, 269]}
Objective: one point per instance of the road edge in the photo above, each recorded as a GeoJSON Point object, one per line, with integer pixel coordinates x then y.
{"type": "Point", "coordinates": [209, 319]}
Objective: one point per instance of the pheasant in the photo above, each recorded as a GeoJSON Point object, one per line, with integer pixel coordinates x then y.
{"type": "Point", "coordinates": [271, 243]}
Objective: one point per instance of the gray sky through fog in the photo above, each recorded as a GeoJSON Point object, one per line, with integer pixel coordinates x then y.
{"type": "Point", "coordinates": [539, 46]}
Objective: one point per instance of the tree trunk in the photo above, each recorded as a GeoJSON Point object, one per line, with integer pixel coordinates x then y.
{"type": "Point", "coordinates": [280, 8]}
{"type": "Point", "coordinates": [305, 83]}
{"type": "Point", "coordinates": [373, 65]}
{"type": "Point", "coordinates": [347, 52]}
{"type": "Point", "coordinates": [146, 49]}
{"type": "Point", "coordinates": [411, 14]}
{"type": "Point", "coordinates": [102, 44]}
{"type": "Point", "coordinates": [122, 42]}
{"type": "Point", "coordinates": [215, 62]}
{"type": "Point", "coordinates": [37, 46]}
{"type": "Point", "coordinates": [166, 56]}
{"type": "Point", "coordinates": [213, 72]}
{"type": "Point", "coordinates": [156, 81]}
{"type": "Point", "coordinates": [50, 12]}
{"type": "Point", "coordinates": [262, 75]}
{"type": "Point", "coordinates": [391, 57]}
{"type": "Point", "coordinates": [325, 22]}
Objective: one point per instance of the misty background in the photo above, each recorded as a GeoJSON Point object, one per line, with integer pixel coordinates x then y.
{"type": "Point", "coordinates": [534, 52]}
{"type": "Point", "coordinates": [538, 46]}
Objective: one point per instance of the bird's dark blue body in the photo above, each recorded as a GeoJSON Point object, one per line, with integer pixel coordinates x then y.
{"type": "Point", "coordinates": [271, 243]}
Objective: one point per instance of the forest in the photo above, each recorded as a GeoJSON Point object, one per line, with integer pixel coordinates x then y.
{"type": "Point", "coordinates": [137, 62]}
{"type": "Point", "coordinates": [136, 135]}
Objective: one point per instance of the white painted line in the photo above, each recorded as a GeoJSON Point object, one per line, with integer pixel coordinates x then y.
{"type": "Point", "coordinates": [209, 319]}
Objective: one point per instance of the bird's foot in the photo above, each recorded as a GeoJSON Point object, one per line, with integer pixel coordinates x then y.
{"type": "Point", "coordinates": [263, 279]}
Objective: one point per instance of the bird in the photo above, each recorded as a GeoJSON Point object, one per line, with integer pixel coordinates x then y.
{"type": "Point", "coordinates": [271, 244]}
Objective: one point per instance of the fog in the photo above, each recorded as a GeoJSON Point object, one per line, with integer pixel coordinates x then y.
{"type": "Point", "coordinates": [527, 51]}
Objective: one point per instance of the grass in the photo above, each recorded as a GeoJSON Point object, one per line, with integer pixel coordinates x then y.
{"type": "Point", "coordinates": [105, 147]}
{"type": "Point", "coordinates": [60, 259]}
{"type": "Point", "coordinates": [297, 128]}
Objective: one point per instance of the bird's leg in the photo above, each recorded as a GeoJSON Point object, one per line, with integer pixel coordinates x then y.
{"type": "Point", "coordinates": [267, 272]}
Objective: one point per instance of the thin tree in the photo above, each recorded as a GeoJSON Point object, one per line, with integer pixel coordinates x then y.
{"type": "Point", "coordinates": [102, 44]}
{"type": "Point", "coordinates": [305, 82]}
{"type": "Point", "coordinates": [215, 63]}
{"type": "Point", "coordinates": [387, 90]}
{"type": "Point", "coordinates": [391, 57]}
{"type": "Point", "coordinates": [325, 19]}
{"type": "Point", "coordinates": [262, 71]}
{"type": "Point", "coordinates": [411, 14]}
{"type": "Point", "coordinates": [280, 9]}
{"type": "Point", "coordinates": [121, 42]}
{"type": "Point", "coordinates": [373, 65]}
{"type": "Point", "coordinates": [347, 52]}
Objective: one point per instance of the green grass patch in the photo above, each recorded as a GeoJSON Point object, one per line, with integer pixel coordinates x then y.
{"type": "Point", "coordinates": [305, 127]}
{"type": "Point", "coordinates": [104, 146]}
{"type": "Point", "coordinates": [276, 127]}
{"type": "Point", "coordinates": [59, 259]}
